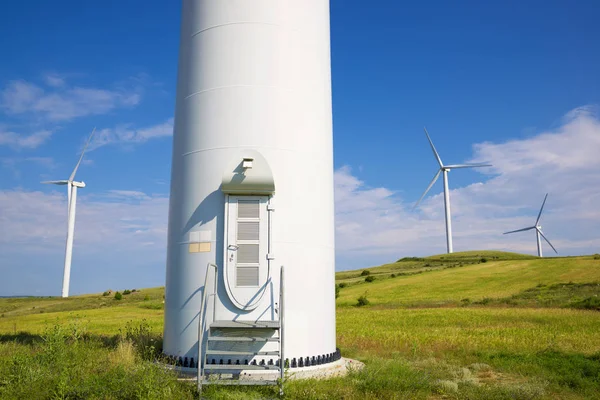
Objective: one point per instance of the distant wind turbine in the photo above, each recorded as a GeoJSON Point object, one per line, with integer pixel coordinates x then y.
{"type": "Point", "coordinates": [538, 231]}
{"type": "Point", "coordinates": [72, 186]}
{"type": "Point", "coordinates": [444, 169]}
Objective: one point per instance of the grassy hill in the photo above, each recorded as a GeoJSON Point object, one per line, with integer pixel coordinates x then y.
{"type": "Point", "coordinates": [461, 278]}
{"type": "Point", "coordinates": [471, 325]}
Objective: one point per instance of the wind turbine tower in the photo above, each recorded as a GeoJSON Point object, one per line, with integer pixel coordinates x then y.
{"type": "Point", "coordinates": [538, 231]}
{"type": "Point", "coordinates": [252, 192]}
{"type": "Point", "coordinates": [444, 169]}
{"type": "Point", "coordinates": [72, 187]}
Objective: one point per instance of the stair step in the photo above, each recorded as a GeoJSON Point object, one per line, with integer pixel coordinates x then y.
{"type": "Point", "coordinates": [242, 339]}
{"type": "Point", "coordinates": [237, 382]}
{"type": "Point", "coordinates": [243, 353]}
{"type": "Point", "coordinates": [234, 367]}
{"type": "Point", "coordinates": [246, 324]}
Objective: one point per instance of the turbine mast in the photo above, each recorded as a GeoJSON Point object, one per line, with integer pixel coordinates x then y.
{"type": "Point", "coordinates": [447, 209]}
{"type": "Point", "coordinates": [539, 243]}
{"type": "Point", "coordinates": [70, 234]}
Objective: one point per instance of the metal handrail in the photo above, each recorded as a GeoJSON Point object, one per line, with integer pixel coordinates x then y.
{"type": "Point", "coordinates": [201, 320]}
{"type": "Point", "coordinates": [281, 333]}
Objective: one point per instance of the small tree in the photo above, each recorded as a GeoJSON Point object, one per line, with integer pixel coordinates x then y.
{"type": "Point", "coordinates": [365, 273]}
{"type": "Point", "coordinates": [362, 300]}
{"type": "Point", "coordinates": [118, 296]}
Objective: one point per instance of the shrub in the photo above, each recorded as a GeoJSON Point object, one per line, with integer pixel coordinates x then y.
{"type": "Point", "coordinates": [118, 296]}
{"type": "Point", "coordinates": [126, 291]}
{"type": "Point", "coordinates": [362, 300]}
{"type": "Point", "coordinates": [343, 285]}
{"type": "Point", "coordinates": [106, 293]}
{"type": "Point", "coordinates": [392, 275]}
{"type": "Point", "coordinates": [483, 259]}
{"type": "Point", "coordinates": [410, 259]}
{"type": "Point", "coordinates": [337, 291]}
{"type": "Point", "coordinates": [466, 300]}
{"type": "Point", "coordinates": [369, 278]}
{"type": "Point", "coordinates": [589, 303]}
{"type": "Point", "coordinates": [365, 273]}
{"type": "Point", "coordinates": [146, 297]}
{"type": "Point", "coordinates": [596, 256]}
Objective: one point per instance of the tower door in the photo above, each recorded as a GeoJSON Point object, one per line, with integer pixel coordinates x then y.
{"type": "Point", "coordinates": [247, 247]}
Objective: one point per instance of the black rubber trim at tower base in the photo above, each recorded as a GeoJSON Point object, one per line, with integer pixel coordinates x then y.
{"type": "Point", "coordinates": [307, 361]}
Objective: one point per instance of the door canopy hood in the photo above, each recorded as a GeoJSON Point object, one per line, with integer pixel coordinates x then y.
{"type": "Point", "coordinates": [248, 173]}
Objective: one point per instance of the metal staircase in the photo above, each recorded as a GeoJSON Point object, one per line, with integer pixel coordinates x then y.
{"type": "Point", "coordinates": [229, 356]}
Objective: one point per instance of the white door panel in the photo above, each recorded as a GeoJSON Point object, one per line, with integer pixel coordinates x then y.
{"type": "Point", "coordinates": [247, 237]}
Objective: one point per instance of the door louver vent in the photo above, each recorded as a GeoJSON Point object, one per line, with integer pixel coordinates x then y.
{"type": "Point", "coordinates": [248, 209]}
{"type": "Point", "coordinates": [248, 230]}
{"type": "Point", "coordinates": [246, 276]}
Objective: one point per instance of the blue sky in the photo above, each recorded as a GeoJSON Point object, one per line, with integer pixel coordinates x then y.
{"type": "Point", "coordinates": [513, 83]}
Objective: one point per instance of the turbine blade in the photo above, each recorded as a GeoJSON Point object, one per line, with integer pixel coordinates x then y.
{"type": "Point", "coordinates": [546, 239]}
{"type": "Point", "coordinates": [467, 166]}
{"type": "Point", "coordinates": [81, 157]}
{"type": "Point", "coordinates": [540, 214]}
{"type": "Point", "coordinates": [437, 175]}
{"type": "Point", "coordinates": [435, 153]}
{"type": "Point", "coordinates": [520, 230]}
{"type": "Point", "coordinates": [55, 182]}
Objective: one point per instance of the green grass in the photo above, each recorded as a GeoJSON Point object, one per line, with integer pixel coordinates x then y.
{"type": "Point", "coordinates": [445, 327]}
{"type": "Point", "coordinates": [476, 281]}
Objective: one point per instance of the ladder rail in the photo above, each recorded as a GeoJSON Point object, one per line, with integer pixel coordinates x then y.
{"type": "Point", "coordinates": [281, 331]}
{"type": "Point", "coordinates": [202, 321]}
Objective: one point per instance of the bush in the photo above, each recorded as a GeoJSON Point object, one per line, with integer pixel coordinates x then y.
{"type": "Point", "coordinates": [369, 278]}
{"type": "Point", "coordinates": [126, 291]}
{"type": "Point", "coordinates": [343, 285]}
{"type": "Point", "coordinates": [411, 259]}
{"type": "Point", "coordinates": [337, 291]}
{"type": "Point", "coordinates": [118, 296]}
{"type": "Point", "coordinates": [146, 297]}
{"type": "Point", "coordinates": [365, 273]}
{"type": "Point", "coordinates": [596, 256]}
{"type": "Point", "coordinates": [589, 303]}
{"type": "Point", "coordinates": [106, 293]}
{"type": "Point", "coordinates": [483, 259]}
{"type": "Point", "coordinates": [392, 275]}
{"type": "Point", "coordinates": [362, 301]}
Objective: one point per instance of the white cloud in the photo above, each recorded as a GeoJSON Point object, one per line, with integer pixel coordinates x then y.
{"type": "Point", "coordinates": [60, 102]}
{"type": "Point", "coordinates": [124, 134]}
{"type": "Point", "coordinates": [37, 220]}
{"type": "Point", "coordinates": [54, 80]}
{"type": "Point", "coordinates": [20, 141]}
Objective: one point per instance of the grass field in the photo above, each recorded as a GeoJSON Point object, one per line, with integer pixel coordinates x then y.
{"type": "Point", "coordinates": [475, 325]}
